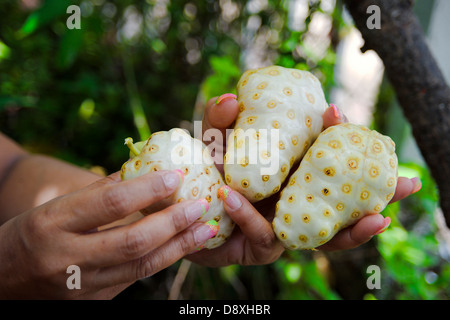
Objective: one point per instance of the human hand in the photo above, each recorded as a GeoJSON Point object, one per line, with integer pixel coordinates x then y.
{"type": "Point", "coordinates": [38, 246]}
{"type": "Point", "coordinates": [253, 241]}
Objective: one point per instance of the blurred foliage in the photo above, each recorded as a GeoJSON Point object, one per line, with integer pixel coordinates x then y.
{"type": "Point", "coordinates": [136, 66]}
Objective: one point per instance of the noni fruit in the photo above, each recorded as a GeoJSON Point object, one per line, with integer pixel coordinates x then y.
{"type": "Point", "coordinates": [176, 149]}
{"type": "Point", "coordinates": [280, 115]}
{"type": "Point", "coordinates": [349, 171]}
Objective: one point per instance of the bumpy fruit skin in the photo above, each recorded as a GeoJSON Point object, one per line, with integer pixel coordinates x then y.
{"type": "Point", "coordinates": [290, 101]}
{"type": "Point", "coordinates": [349, 172]}
{"type": "Point", "coordinates": [175, 149]}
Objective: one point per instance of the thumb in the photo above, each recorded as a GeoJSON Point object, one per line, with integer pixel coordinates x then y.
{"type": "Point", "coordinates": [220, 112]}
{"type": "Point", "coordinates": [333, 116]}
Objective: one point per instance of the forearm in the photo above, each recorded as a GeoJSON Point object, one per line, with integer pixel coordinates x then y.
{"type": "Point", "coordinates": [34, 179]}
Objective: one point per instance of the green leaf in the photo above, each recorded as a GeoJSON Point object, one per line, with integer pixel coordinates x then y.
{"type": "Point", "coordinates": [224, 65]}
{"type": "Point", "coordinates": [158, 46]}
{"type": "Point", "coordinates": [87, 109]}
{"type": "Point", "coordinates": [293, 271]}
{"type": "Point", "coordinates": [69, 47]}
{"type": "Point", "coordinates": [23, 101]}
{"type": "Point", "coordinates": [225, 75]}
{"type": "Point", "coordinates": [4, 51]}
{"type": "Point", "coordinates": [48, 12]}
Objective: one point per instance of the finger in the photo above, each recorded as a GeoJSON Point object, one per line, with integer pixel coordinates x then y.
{"type": "Point", "coordinates": [160, 258]}
{"type": "Point", "coordinates": [406, 187]}
{"type": "Point", "coordinates": [357, 234]}
{"type": "Point", "coordinates": [333, 116]}
{"type": "Point", "coordinates": [220, 113]}
{"type": "Point", "coordinates": [253, 225]}
{"type": "Point", "coordinates": [126, 243]}
{"type": "Point", "coordinates": [94, 207]}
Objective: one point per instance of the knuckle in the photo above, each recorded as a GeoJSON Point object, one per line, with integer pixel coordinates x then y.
{"type": "Point", "coordinates": [134, 244]}
{"type": "Point", "coordinates": [186, 243]}
{"type": "Point", "coordinates": [155, 261]}
{"type": "Point", "coordinates": [158, 186]}
{"type": "Point", "coordinates": [32, 225]}
{"type": "Point", "coordinates": [267, 240]}
{"type": "Point", "coordinates": [179, 219]}
{"type": "Point", "coordinates": [114, 202]}
{"type": "Point", "coordinates": [36, 226]}
{"type": "Point", "coordinates": [140, 269]}
{"type": "Point", "coordinates": [147, 266]}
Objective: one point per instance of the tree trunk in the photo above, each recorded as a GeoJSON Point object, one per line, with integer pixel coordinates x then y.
{"type": "Point", "coordinates": [419, 84]}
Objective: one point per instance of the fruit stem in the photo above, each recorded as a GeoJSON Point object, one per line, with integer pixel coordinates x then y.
{"type": "Point", "coordinates": [131, 146]}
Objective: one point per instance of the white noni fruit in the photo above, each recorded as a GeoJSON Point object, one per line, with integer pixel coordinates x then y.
{"type": "Point", "coordinates": [280, 115]}
{"type": "Point", "coordinates": [176, 149]}
{"type": "Point", "coordinates": [349, 172]}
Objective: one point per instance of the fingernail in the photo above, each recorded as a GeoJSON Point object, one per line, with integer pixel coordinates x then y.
{"type": "Point", "coordinates": [230, 197]}
{"type": "Point", "coordinates": [224, 191]}
{"type": "Point", "coordinates": [226, 96]}
{"type": "Point", "coordinates": [173, 179]}
{"type": "Point", "coordinates": [337, 112]}
{"type": "Point", "coordinates": [206, 231]}
{"type": "Point", "coordinates": [387, 222]}
{"type": "Point", "coordinates": [417, 184]}
{"type": "Point", "coordinates": [197, 210]}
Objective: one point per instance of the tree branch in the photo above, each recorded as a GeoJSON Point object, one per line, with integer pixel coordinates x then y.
{"type": "Point", "coordinates": [419, 84]}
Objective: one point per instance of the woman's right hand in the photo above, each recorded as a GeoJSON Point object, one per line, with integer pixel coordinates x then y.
{"type": "Point", "coordinates": [38, 246]}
